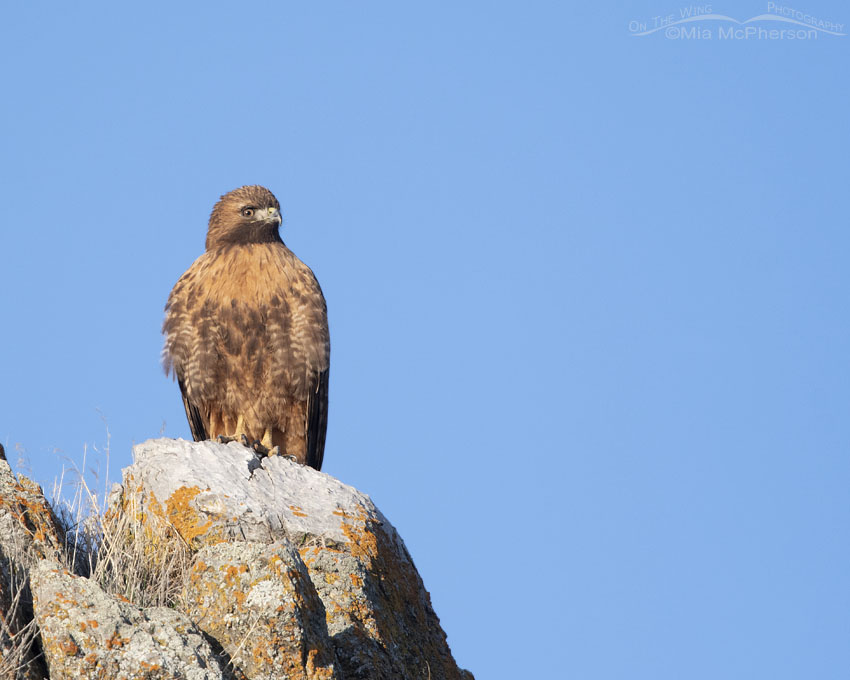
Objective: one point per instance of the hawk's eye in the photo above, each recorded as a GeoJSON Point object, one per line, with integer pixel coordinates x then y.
{"type": "Point", "coordinates": [247, 212]}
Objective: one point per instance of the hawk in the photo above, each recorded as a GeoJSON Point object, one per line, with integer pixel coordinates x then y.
{"type": "Point", "coordinates": [246, 335]}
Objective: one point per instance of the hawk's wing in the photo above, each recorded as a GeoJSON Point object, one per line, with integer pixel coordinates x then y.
{"type": "Point", "coordinates": [193, 415]}
{"type": "Point", "coordinates": [317, 422]}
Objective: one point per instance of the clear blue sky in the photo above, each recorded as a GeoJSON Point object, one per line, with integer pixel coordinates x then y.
{"type": "Point", "coordinates": [588, 296]}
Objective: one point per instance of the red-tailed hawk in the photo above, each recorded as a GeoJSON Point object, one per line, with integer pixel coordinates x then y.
{"type": "Point", "coordinates": [246, 335]}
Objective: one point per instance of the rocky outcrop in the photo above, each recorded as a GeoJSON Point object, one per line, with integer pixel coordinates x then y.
{"type": "Point", "coordinates": [280, 572]}
{"type": "Point", "coordinates": [28, 528]}
{"type": "Point", "coordinates": [29, 531]}
{"type": "Point", "coordinates": [378, 613]}
{"type": "Point", "coordinates": [86, 633]}
{"type": "Point", "coordinates": [258, 602]}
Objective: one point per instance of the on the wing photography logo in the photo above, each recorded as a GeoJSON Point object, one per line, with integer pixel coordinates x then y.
{"type": "Point", "coordinates": [701, 22]}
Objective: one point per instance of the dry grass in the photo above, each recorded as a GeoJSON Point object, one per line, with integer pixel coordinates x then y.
{"type": "Point", "coordinates": [145, 562]}
{"type": "Point", "coordinates": [18, 630]}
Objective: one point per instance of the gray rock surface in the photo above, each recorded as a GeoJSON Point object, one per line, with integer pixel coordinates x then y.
{"type": "Point", "coordinates": [86, 634]}
{"type": "Point", "coordinates": [28, 532]}
{"type": "Point", "coordinates": [258, 602]}
{"type": "Point", "coordinates": [379, 615]}
{"type": "Point", "coordinates": [248, 498]}
{"type": "Point", "coordinates": [274, 570]}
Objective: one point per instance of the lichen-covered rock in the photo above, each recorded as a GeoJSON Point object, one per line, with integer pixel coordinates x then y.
{"type": "Point", "coordinates": [18, 657]}
{"type": "Point", "coordinates": [27, 523]}
{"type": "Point", "coordinates": [28, 531]}
{"type": "Point", "coordinates": [87, 634]}
{"type": "Point", "coordinates": [258, 602]}
{"type": "Point", "coordinates": [379, 615]}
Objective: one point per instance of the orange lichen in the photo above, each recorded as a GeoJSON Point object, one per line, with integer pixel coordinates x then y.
{"type": "Point", "coordinates": [69, 647]}
{"type": "Point", "coordinates": [186, 519]}
{"type": "Point", "coordinates": [275, 645]}
{"type": "Point", "coordinates": [297, 511]}
{"type": "Point", "coordinates": [115, 641]}
{"type": "Point", "coordinates": [231, 573]}
{"type": "Point", "coordinates": [317, 672]}
{"type": "Point", "coordinates": [27, 505]}
{"type": "Point", "coordinates": [362, 541]}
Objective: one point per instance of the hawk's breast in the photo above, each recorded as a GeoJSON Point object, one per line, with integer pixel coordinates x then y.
{"type": "Point", "coordinates": [248, 319]}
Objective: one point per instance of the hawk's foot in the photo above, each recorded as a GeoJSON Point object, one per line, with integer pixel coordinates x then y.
{"type": "Point", "coordinates": [260, 449]}
{"type": "Point", "coordinates": [226, 439]}
{"type": "Point", "coordinates": [264, 450]}
{"type": "Point", "coordinates": [276, 452]}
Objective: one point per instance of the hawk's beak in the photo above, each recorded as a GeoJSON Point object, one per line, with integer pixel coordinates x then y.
{"type": "Point", "coordinates": [270, 215]}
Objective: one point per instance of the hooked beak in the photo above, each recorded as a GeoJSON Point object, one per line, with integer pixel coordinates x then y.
{"type": "Point", "coordinates": [270, 215]}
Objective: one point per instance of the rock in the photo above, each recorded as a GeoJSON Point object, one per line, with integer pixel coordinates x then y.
{"type": "Point", "coordinates": [86, 634]}
{"type": "Point", "coordinates": [258, 602]}
{"type": "Point", "coordinates": [28, 531]}
{"type": "Point", "coordinates": [378, 613]}
{"type": "Point", "coordinates": [275, 571]}
{"type": "Point", "coordinates": [28, 527]}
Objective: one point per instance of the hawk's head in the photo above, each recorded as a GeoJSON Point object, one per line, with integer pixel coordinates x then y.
{"type": "Point", "coordinates": [248, 214]}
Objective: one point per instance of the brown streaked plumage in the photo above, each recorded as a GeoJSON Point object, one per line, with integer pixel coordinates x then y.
{"type": "Point", "coordinates": [246, 334]}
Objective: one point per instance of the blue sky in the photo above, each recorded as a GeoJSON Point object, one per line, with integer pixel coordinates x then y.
{"type": "Point", "coordinates": [588, 295]}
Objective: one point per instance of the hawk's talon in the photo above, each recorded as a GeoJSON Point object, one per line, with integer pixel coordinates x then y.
{"type": "Point", "coordinates": [262, 450]}
{"type": "Point", "coordinates": [243, 439]}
